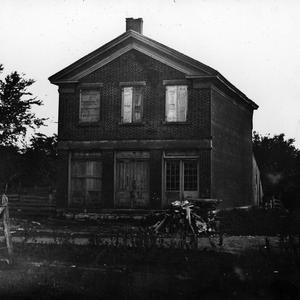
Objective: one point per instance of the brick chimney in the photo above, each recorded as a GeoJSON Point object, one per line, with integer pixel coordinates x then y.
{"type": "Point", "coordinates": [134, 24]}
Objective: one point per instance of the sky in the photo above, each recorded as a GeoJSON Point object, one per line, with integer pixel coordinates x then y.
{"type": "Point", "coordinates": [254, 44]}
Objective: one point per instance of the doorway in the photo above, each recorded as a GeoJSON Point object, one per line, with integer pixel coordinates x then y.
{"type": "Point", "coordinates": [132, 180]}
{"type": "Point", "coordinates": [181, 179]}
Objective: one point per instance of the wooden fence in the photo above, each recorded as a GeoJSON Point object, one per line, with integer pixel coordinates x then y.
{"type": "Point", "coordinates": [31, 205]}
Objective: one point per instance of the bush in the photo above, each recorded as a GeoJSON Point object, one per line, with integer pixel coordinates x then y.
{"type": "Point", "coordinates": [258, 221]}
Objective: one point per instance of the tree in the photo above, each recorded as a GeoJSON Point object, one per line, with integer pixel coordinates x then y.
{"type": "Point", "coordinates": [39, 161]}
{"type": "Point", "coordinates": [279, 163]}
{"type": "Point", "coordinates": [9, 165]}
{"type": "Point", "coordinates": [16, 104]}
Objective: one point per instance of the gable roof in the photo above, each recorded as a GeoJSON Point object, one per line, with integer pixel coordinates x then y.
{"type": "Point", "coordinates": [134, 40]}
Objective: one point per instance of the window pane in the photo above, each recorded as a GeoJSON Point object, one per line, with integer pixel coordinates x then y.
{"type": "Point", "coordinates": [86, 182]}
{"type": "Point", "coordinates": [93, 184]}
{"type": "Point", "coordinates": [78, 169]}
{"type": "Point", "coordinates": [172, 175]}
{"type": "Point", "coordinates": [127, 104]}
{"type": "Point", "coordinates": [78, 185]}
{"type": "Point", "coordinates": [93, 168]}
{"type": "Point", "coordinates": [89, 105]}
{"type": "Point", "coordinates": [190, 176]}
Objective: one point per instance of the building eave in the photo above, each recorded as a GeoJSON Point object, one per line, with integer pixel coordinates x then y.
{"type": "Point", "coordinates": [189, 62]}
{"type": "Point", "coordinates": [219, 77]}
{"type": "Point", "coordinates": [185, 64]}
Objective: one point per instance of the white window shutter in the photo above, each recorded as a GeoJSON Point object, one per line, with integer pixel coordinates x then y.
{"type": "Point", "coordinates": [137, 105]}
{"type": "Point", "coordinates": [181, 103]}
{"type": "Point", "coordinates": [171, 103]}
{"type": "Point", "coordinates": [127, 104]}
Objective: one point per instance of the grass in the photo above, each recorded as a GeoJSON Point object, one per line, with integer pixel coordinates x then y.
{"type": "Point", "coordinates": [101, 272]}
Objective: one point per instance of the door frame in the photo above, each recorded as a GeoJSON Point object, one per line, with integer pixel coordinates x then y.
{"type": "Point", "coordinates": [181, 158]}
{"type": "Point", "coordinates": [141, 156]}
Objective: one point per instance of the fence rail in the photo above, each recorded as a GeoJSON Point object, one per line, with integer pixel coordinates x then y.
{"type": "Point", "coordinates": [34, 205]}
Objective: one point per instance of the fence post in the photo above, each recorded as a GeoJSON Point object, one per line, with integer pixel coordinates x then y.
{"type": "Point", "coordinates": [6, 224]}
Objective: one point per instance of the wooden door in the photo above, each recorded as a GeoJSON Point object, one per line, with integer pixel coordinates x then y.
{"type": "Point", "coordinates": [132, 183]}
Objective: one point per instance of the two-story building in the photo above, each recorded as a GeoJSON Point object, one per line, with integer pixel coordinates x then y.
{"type": "Point", "coordinates": [141, 125]}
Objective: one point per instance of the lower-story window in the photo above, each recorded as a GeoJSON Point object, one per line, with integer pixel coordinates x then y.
{"type": "Point", "coordinates": [173, 175]}
{"type": "Point", "coordinates": [190, 178]}
{"type": "Point", "coordinates": [182, 177]}
{"type": "Point", "coordinates": [86, 182]}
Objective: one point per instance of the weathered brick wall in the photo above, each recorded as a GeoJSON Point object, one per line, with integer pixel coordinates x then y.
{"type": "Point", "coordinates": [155, 178]}
{"type": "Point", "coordinates": [205, 173]}
{"type": "Point", "coordinates": [134, 66]}
{"type": "Point", "coordinates": [107, 197]}
{"type": "Point", "coordinates": [62, 182]}
{"type": "Point", "coordinates": [232, 150]}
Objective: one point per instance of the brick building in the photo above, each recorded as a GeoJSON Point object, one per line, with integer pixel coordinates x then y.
{"type": "Point", "coordinates": [141, 125]}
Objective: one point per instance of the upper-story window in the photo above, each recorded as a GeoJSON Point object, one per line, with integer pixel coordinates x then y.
{"type": "Point", "coordinates": [132, 104]}
{"type": "Point", "coordinates": [176, 103]}
{"type": "Point", "coordinates": [89, 105]}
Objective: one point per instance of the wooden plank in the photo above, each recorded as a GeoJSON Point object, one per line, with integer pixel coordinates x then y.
{"type": "Point", "coordinates": [133, 154]}
{"type": "Point", "coordinates": [14, 198]}
{"type": "Point", "coordinates": [205, 143]}
{"type": "Point", "coordinates": [12, 205]}
{"type": "Point", "coordinates": [33, 196]}
{"type": "Point", "coordinates": [35, 210]}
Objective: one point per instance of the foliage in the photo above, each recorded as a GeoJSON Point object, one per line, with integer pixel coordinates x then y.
{"type": "Point", "coordinates": [9, 162]}
{"type": "Point", "coordinates": [186, 216]}
{"type": "Point", "coordinates": [255, 221]}
{"type": "Point", "coordinates": [16, 104]}
{"type": "Point", "coordinates": [279, 163]}
{"type": "Point", "coordinates": [39, 161]}
{"type": "Point", "coordinates": [34, 166]}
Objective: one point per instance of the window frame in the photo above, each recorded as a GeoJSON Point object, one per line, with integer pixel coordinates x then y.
{"type": "Point", "coordinates": [181, 175]}
{"type": "Point", "coordinates": [134, 87]}
{"type": "Point", "coordinates": [89, 88]}
{"type": "Point", "coordinates": [177, 121]}
{"type": "Point", "coordinates": [85, 158]}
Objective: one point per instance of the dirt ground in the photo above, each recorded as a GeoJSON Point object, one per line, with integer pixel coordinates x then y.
{"type": "Point", "coordinates": [81, 272]}
{"type": "Point", "coordinates": [65, 270]}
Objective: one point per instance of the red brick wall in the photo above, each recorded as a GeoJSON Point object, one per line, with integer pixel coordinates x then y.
{"type": "Point", "coordinates": [229, 175]}
{"type": "Point", "coordinates": [232, 150]}
{"type": "Point", "coordinates": [134, 66]}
